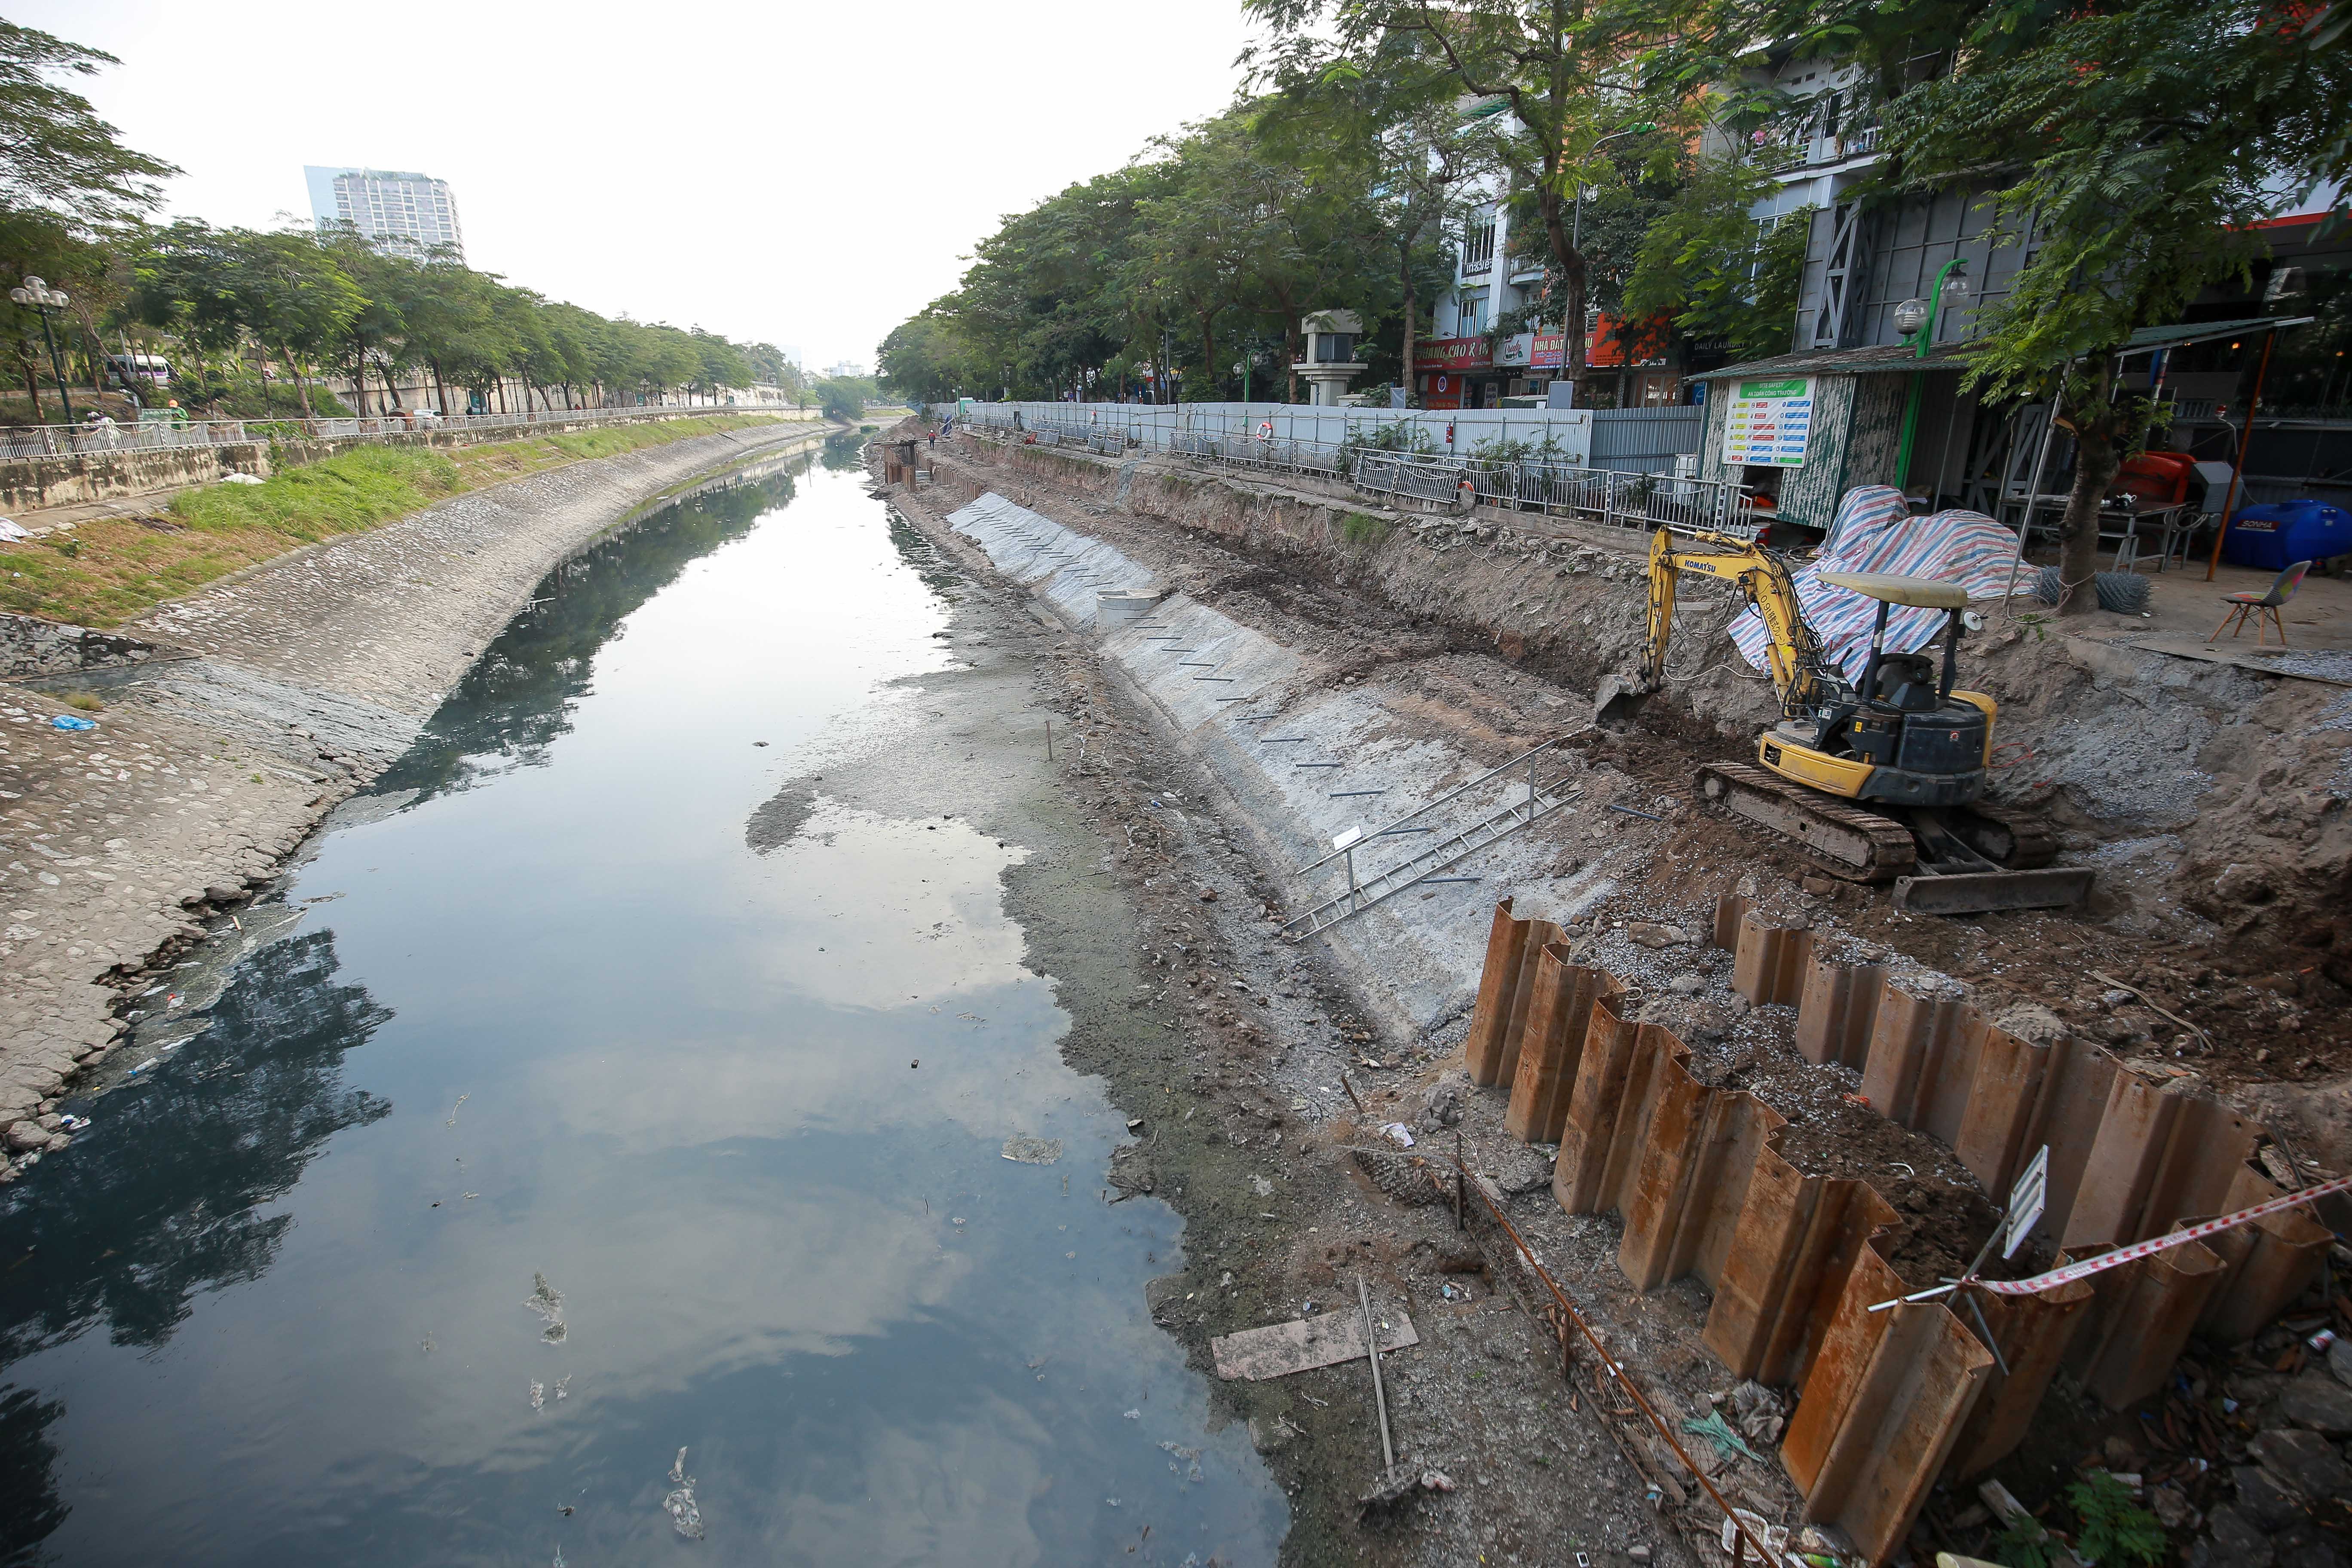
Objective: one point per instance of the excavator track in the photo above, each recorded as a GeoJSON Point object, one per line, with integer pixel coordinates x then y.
{"type": "Point", "coordinates": [1842, 838]}
{"type": "Point", "coordinates": [2013, 839]}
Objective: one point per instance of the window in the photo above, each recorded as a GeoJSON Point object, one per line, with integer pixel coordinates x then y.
{"type": "Point", "coordinates": [1478, 244]}
{"type": "Point", "coordinates": [1333, 347]}
{"type": "Point", "coordinates": [1470, 314]}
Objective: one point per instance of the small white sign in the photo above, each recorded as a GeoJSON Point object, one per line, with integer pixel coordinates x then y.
{"type": "Point", "coordinates": [1353, 835]}
{"type": "Point", "coordinates": [2026, 1201]}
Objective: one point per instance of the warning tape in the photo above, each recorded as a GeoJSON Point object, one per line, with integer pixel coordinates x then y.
{"type": "Point", "coordinates": [2154, 1245]}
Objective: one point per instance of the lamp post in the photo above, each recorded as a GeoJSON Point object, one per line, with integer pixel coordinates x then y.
{"type": "Point", "coordinates": [1919, 317]}
{"type": "Point", "coordinates": [36, 294]}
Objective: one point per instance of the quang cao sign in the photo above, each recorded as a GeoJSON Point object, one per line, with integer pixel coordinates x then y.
{"type": "Point", "coordinates": [1768, 423]}
{"type": "Point", "coordinates": [1455, 354]}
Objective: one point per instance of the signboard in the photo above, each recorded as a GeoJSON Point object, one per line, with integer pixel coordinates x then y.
{"type": "Point", "coordinates": [1352, 836]}
{"type": "Point", "coordinates": [1513, 351]}
{"type": "Point", "coordinates": [1455, 354]}
{"type": "Point", "coordinates": [1768, 423]}
{"type": "Point", "coordinates": [2025, 1203]}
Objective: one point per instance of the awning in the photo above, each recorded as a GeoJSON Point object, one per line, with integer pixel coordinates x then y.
{"type": "Point", "coordinates": [2148, 340]}
{"type": "Point", "coordinates": [1884, 359]}
{"type": "Point", "coordinates": [1897, 359]}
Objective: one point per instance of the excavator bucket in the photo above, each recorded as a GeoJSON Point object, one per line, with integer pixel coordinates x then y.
{"type": "Point", "coordinates": [1978, 892]}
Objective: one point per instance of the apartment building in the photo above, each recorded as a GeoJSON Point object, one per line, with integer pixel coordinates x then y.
{"type": "Point", "coordinates": [407, 214]}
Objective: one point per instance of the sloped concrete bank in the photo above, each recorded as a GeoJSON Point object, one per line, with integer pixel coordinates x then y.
{"type": "Point", "coordinates": [272, 696]}
{"type": "Point", "coordinates": [2212, 798]}
{"type": "Point", "coordinates": [1304, 764]}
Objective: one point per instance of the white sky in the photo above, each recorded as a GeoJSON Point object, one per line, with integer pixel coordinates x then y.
{"type": "Point", "coordinates": [667, 160]}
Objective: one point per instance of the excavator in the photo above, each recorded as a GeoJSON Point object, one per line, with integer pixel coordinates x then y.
{"type": "Point", "coordinates": [1879, 780]}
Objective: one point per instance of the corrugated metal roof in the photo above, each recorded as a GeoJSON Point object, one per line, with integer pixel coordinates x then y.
{"type": "Point", "coordinates": [1894, 359]}
{"type": "Point", "coordinates": [1885, 359]}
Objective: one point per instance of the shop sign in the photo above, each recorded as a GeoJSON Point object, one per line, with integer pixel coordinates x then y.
{"type": "Point", "coordinates": [1767, 422]}
{"type": "Point", "coordinates": [1550, 352]}
{"type": "Point", "coordinates": [1513, 351]}
{"type": "Point", "coordinates": [1455, 353]}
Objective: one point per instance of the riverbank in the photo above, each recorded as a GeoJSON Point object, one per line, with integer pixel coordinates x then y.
{"type": "Point", "coordinates": [272, 694]}
{"type": "Point", "coordinates": [1398, 656]}
{"type": "Point", "coordinates": [1239, 1057]}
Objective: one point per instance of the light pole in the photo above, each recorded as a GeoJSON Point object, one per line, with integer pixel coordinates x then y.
{"type": "Point", "coordinates": [1919, 317]}
{"type": "Point", "coordinates": [36, 294]}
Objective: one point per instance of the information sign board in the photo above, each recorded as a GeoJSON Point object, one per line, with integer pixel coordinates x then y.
{"type": "Point", "coordinates": [1768, 423]}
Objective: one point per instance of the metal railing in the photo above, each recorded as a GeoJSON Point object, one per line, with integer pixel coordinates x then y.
{"type": "Point", "coordinates": [156, 435]}
{"type": "Point", "coordinates": [1372, 452]}
{"type": "Point", "coordinates": [1645, 502]}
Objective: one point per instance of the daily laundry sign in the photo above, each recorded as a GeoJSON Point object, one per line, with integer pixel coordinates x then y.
{"type": "Point", "coordinates": [1769, 421]}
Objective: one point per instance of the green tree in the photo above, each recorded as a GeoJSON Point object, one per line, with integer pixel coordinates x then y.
{"type": "Point", "coordinates": [1570, 72]}
{"type": "Point", "coordinates": [2129, 154]}
{"type": "Point", "coordinates": [1718, 273]}
{"type": "Point", "coordinates": [56, 156]}
{"type": "Point", "coordinates": [842, 399]}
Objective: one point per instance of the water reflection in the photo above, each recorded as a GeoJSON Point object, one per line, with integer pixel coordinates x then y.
{"type": "Point", "coordinates": [172, 1198]}
{"type": "Point", "coordinates": [519, 696]}
{"type": "Point", "coordinates": [844, 450]}
{"type": "Point", "coordinates": [742, 1104]}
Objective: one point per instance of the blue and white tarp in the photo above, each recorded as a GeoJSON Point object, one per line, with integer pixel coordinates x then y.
{"type": "Point", "coordinates": [1874, 531]}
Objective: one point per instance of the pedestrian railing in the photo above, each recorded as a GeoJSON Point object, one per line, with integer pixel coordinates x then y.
{"type": "Point", "coordinates": [1612, 497]}
{"type": "Point", "coordinates": [156, 435]}
{"type": "Point", "coordinates": [1645, 502]}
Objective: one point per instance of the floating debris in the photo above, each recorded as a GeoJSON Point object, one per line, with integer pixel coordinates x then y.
{"type": "Point", "coordinates": [680, 1504]}
{"type": "Point", "coordinates": [538, 1396]}
{"type": "Point", "coordinates": [452, 1110]}
{"type": "Point", "coordinates": [1031, 1151]}
{"type": "Point", "coordinates": [564, 1386]}
{"type": "Point", "coordinates": [548, 1302]}
{"type": "Point", "coordinates": [1183, 1461]}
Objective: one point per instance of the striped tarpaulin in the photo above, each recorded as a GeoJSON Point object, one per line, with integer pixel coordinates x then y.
{"type": "Point", "coordinates": [1873, 532]}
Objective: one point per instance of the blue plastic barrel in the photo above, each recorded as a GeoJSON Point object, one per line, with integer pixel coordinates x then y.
{"type": "Point", "coordinates": [2275, 536]}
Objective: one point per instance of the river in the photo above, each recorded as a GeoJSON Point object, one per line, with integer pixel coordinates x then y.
{"type": "Point", "coordinates": [593, 1150]}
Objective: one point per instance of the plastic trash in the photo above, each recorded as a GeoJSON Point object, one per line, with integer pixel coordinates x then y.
{"type": "Point", "coordinates": [1400, 1134]}
{"type": "Point", "coordinates": [680, 1505]}
{"type": "Point", "coordinates": [11, 529]}
{"type": "Point", "coordinates": [68, 721]}
{"type": "Point", "coordinates": [548, 1302]}
{"type": "Point", "coordinates": [240, 478]}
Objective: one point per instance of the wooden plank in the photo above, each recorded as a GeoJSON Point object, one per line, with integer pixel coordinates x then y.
{"type": "Point", "coordinates": [1252, 1355]}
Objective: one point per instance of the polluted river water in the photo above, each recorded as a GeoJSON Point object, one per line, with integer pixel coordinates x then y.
{"type": "Point", "coordinates": [610, 1139]}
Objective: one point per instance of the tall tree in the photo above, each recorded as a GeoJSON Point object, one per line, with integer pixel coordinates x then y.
{"type": "Point", "coordinates": [1569, 71]}
{"type": "Point", "coordinates": [2129, 153]}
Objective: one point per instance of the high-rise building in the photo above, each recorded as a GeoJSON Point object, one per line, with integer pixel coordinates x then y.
{"type": "Point", "coordinates": [403, 213]}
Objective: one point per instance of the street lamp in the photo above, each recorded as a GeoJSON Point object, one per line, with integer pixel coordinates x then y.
{"type": "Point", "coordinates": [36, 294]}
{"type": "Point", "coordinates": [1917, 319]}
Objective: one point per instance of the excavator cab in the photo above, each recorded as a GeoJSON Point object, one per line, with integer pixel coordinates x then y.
{"type": "Point", "coordinates": [1900, 735]}
{"type": "Point", "coordinates": [1878, 778]}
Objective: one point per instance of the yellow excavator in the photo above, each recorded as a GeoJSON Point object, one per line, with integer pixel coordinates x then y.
{"type": "Point", "coordinates": [1878, 781]}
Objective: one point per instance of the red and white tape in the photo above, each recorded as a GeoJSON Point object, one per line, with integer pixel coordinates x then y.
{"type": "Point", "coordinates": [2154, 1245]}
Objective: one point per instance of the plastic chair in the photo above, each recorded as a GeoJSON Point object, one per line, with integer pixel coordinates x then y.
{"type": "Point", "coordinates": [2264, 607]}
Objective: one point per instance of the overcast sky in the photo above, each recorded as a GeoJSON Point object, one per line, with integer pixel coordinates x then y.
{"type": "Point", "coordinates": [803, 174]}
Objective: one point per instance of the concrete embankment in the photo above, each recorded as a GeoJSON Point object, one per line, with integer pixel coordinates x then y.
{"type": "Point", "coordinates": [272, 695]}
{"type": "Point", "coordinates": [2217, 796]}
{"type": "Point", "coordinates": [1308, 759]}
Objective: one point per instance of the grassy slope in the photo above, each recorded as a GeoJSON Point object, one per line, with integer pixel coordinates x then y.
{"type": "Point", "coordinates": [111, 569]}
